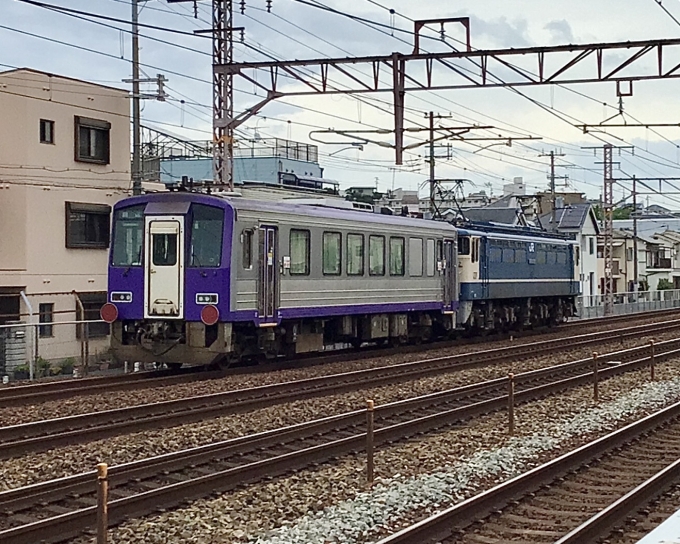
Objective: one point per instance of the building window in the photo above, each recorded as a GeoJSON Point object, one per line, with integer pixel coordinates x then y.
{"type": "Point", "coordinates": [247, 253]}
{"type": "Point", "coordinates": [332, 253]}
{"type": "Point", "coordinates": [397, 256]}
{"type": "Point", "coordinates": [355, 254]}
{"type": "Point", "coordinates": [376, 255]}
{"type": "Point", "coordinates": [92, 303]}
{"type": "Point", "coordinates": [629, 254]}
{"type": "Point", "coordinates": [591, 246]}
{"type": "Point", "coordinates": [87, 225]}
{"type": "Point", "coordinates": [46, 131]}
{"type": "Point", "coordinates": [299, 252]}
{"type": "Point", "coordinates": [92, 140]}
{"type": "Point", "coordinates": [46, 315]}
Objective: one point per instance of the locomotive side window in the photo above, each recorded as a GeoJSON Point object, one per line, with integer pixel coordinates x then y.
{"type": "Point", "coordinates": [128, 236]}
{"type": "Point", "coordinates": [429, 263]}
{"type": "Point", "coordinates": [495, 255]}
{"type": "Point", "coordinates": [164, 249]}
{"type": "Point", "coordinates": [206, 236]}
{"type": "Point", "coordinates": [520, 256]}
{"type": "Point", "coordinates": [299, 252]}
{"type": "Point", "coordinates": [561, 258]}
{"type": "Point", "coordinates": [551, 258]}
{"type": "Point", "coordinates": [332, 253]}
{"type": "Point", "coordinates": [464, 245]}
{"type": "Point", "coordinates": [508, 255]}
{"type": "Point", "coordinates": [376, 255]}
{"type": "Point", "coordinates": [415, 256]}
{"type": "Point", "coordinates": [247, 249]}
{"type": "Point", "coordinates": [355, 254]}
{"type": "Point", "coordinates": [397, 256]}
{"type": "Point", "coordinates": [540, 257]}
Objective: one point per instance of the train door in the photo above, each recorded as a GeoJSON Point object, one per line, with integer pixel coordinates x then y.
{"type": "Point", "coordinates": [268, 284]}
{"type": "Point", "coordinates": [164, 266]}
{"type": "Point", "coordinates": [449, 273]}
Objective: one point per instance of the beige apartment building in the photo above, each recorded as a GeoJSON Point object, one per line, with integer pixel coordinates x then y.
{"type": "Point", "coordinates": [64, 162]}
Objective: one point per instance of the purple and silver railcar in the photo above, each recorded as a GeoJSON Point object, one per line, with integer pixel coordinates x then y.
{"type": "Point", "coordinates": [196, 278]}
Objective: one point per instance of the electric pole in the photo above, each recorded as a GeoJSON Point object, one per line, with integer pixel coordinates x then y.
{"type": "Point", "coordinates": [136, 110]}
{"type": "Point", "coordinates": [552, 178]}
{"type": "Point", "coordinates": [432, 178]}
{"type": "Point", "coordinates": [635, 239]}
{"type": "Point", "coordinates": [608, 214]}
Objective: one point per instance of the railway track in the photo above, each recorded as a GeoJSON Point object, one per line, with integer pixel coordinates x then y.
{"type": "Point", "coordinates": [19, 395]}
{"type": "Point", "coordinates": [47, 434]}
{"type": "Point", "coordinates": [59, 509]}
{"type": "Point", "coordinates": [578, 498]}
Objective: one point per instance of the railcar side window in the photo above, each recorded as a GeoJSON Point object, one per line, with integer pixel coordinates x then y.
{"type": "Point", "coordinates": [247, 249]}
{"type": "Point", "coordinates": [299, 252]}
{"type": "Point", "coordinates": [355, 254]}
{"type": "Point", "coordinates": [376, 255]}
{"type": "Point", "coordinates": [128, 236]}
{"type": "Point", "coordinates": [397, 256]}
{"type": "Point", "coordinates": [429, 263]}
{"type": "Point", "coordinates": [463, 245]}
{"type": "Point", "coordinates": [332, 253]}
{"type": "Point", "coordinates": [415, 256]}
{"type": "Point", "coordinates": [206, 236]}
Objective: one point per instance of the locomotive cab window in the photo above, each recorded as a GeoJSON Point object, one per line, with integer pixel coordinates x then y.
{"type": "Point", "coordinates": [128, 236]}
{"type": "Point", "coordinates": [206, 236]}
{"type": "Point", "coordinates": [376, 255]}
{"type": "Point", "coordinates": [464, 245]}
{"type": "Point", "coordinates": [299, 252]}
{"type": "Point", "coordinates": [475, 249]}
{"type": "Point", "coordinates": [332, 253]}
{"type": "Point", "coordinates": [355, 254]}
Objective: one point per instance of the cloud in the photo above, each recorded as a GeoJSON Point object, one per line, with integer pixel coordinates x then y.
{"type": "Point", "coordinates": [560, 31]}
{"type": "Point", "coordinates": [501, 32]}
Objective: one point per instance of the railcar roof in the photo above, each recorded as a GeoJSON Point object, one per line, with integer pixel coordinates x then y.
{"type": "Point", "coordinates": [322, 212]}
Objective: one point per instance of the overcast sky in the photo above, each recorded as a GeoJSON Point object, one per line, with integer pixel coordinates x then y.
{"type": "Point", "coordinates": [101, 54]}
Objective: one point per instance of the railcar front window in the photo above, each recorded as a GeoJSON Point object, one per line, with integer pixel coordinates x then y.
{"type": "Point", "coordinates": [376, 255]}
{"type": "Point", "coordinates": [206, 236]}
{"type": "Point", "coordinates": [397, 256]}
{"type": "Point", "coordinates": [355, 254]}
{"type": "Point", "coordinates": [332, 253]}
{"type": "Point", "coordinates": [299, 252]}
{"type": "Point", "coordinates": [164, 248]}
{"type": "Point", "coordinates": [128, 236]}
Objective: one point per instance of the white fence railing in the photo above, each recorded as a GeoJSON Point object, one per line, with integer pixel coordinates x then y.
{"type": "Point", "coordinates": [589, 306]}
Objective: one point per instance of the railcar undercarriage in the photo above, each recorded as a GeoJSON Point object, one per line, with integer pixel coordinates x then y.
{"type": "Point", "coordinates": [176, 342]}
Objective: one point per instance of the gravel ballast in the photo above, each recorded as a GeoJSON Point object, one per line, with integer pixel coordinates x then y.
{"type": "Point", "coordinates": [329, 504]}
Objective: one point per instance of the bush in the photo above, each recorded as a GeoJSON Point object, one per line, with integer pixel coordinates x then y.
{"type": "Point", "coordinates": [42, 367]}
{"type": "Point", "coordinates": [664, 284]}
{"type": "Point", "coordinates": [67, 365]}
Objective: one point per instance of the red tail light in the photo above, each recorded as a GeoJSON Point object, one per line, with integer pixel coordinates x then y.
{"type": "Point", "coordinates": [109, 312]}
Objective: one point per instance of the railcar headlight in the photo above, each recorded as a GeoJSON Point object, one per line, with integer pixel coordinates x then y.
{"type": "Point", "coordinates": [206, 298]}
{"type": "Point", "coordinates": [118, 296]}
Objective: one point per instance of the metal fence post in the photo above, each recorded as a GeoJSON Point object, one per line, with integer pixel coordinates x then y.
{"type": "Point", "coordinates": [651, 358]}
{"type": "Point", "coordinates": [102, 503]}
{"type": "Point", "coordinates": [596, 377]}
{"type": "Point", "coordinates": [511, 404]}
{"type": "Point", "coordinates": [369, 441]}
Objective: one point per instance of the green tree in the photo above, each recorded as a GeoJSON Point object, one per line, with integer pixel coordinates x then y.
{"type": "Point", "coordinates": [664, 284]}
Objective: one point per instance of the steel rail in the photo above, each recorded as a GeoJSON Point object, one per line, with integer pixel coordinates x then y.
{"type": "Point", "coordinates": [73, 523]}
{"type": "Point", "coordinates": [456, 518]}
{"type": "Point", "coordinates": [19, 395]}
{"type": "Point", "coordinates": [46, 434]}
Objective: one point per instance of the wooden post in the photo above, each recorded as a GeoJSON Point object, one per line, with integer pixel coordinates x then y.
{"type": "Point", "coordinates": [596, 378]}
{"type": "Point", "coordinates": [511, 404]}
{"type": "Point", "coordinates": [369, 441]}
{"type": "Point", "coordinates": [651, 358]}
{"type": "Point", "coordinates": [102, 503]}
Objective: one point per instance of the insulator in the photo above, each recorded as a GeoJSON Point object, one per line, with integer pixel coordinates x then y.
{"type": "Point", "coordinates": [269, 6]}
{"type": "Point", "coordinates": [243, 6]}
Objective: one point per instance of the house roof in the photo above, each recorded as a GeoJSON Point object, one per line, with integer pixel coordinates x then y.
{"type": "Point", "coordinates": [571, 217]}
{"type": "Point", "coordinates": [508, 216]}
{"type": "Point", "coordinates": [49, 74]}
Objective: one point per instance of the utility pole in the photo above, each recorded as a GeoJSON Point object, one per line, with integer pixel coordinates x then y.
{"type": "Point", "coordinates": [635, 239]}
{"type": "Point", "coordinates": [552, 177]}
{"type": "Point", "coordinates": [136, 110]}
{"type": "Point", "coordinates": [608, 213]}
{"type": "Point", "coordinates": [432, 176]}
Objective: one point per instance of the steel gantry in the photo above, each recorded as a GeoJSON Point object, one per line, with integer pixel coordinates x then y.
{"type": "Point", "coordinates": [401, 73]}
